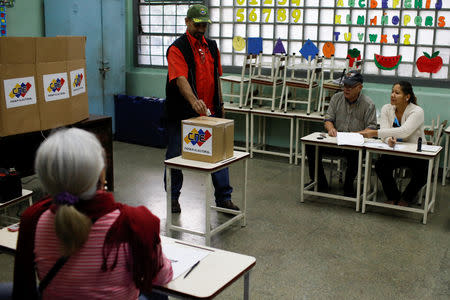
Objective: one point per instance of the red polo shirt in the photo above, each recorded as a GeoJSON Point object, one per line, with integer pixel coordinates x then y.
{"type": "Point", "coordinates": [204, 67]}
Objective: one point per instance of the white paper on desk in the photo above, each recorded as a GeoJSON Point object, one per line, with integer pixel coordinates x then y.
{"type": "Point", "coordinates": [430, 148]}
{"type": "Point", "coordinates": [380, 145]}
{"type": "Point", "coordinates": [350, 138]}
{"type": "Point", "coordinates": [183, 257]}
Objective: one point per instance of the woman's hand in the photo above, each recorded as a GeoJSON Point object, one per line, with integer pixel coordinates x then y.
{"type": "Point", "coordinates": [391, 141]}
{"type": "Point", "coordinates": [368, 133]}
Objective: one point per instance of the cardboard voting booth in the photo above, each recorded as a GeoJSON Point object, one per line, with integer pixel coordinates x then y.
{"type": "Point", "coordinates": [207, 139]}
{"type": "Point", "coordinates": [42, 83]}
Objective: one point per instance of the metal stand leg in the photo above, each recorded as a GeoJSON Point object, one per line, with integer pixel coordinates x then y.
{"type": "Point", "coordinates": [291, 137]}
{"type": "Point", "coordinates": [208, 193]}
{"type": "Point", "coordinates": [246, 132]}
{"type": "Point", "coordinates": [316, 171]}
{"type": "Point", "coordinates": [358, 181]}
{"type": "Point", "coordinates": [169, 202]}
{"type": "Point", "coordinates": [302, 175]}
{"type": "Point", "coordinates": [427, 192]}
{"type": "Point", "coordinates": [366, 181]}
{"type": "Point", "coordinates": [436, 171]}
{"type": "Point", "coordinates": [252, 128]}
{"type": "Point", "coordinates": [445, 167]}
{"type": "Point", "coordinates": [244, 194]}
{"type": "Point", "coordinates": [247, 286]}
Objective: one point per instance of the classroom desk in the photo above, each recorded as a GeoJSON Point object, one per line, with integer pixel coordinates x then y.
{"type": "Point", "coordinates": [214, 273]}
{"type": "Point", "coordinates": [311, 139]}
{"type": "Point", "coordinates": [301, 117]}
{"type": "Point", "coordinates": [260, 147]}
{"type": "Point", "coordinates": [446, 161]}
{"type": "Point", "coordinates": [408, 150]}
{"type": "Point", "coordinates": [206, 169]}
{"type": "Point", "coordinates": [26, 195]}
{"type": "Point", "coordinates": [234, 108]}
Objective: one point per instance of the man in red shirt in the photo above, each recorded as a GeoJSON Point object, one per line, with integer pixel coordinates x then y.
{"type": "Point", "coordinates": [193, 89]}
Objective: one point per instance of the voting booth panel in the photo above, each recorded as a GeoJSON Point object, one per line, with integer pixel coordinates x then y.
{"type": "Point", "coordinates": [43, 83]}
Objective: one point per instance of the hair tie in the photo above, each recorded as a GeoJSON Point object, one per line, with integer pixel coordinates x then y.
{"type": "Point", "coordinates": [65, 198]}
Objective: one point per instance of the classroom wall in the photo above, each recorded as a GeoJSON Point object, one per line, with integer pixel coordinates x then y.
{"type": "Point", "coordinates": [151, 82]}
{"type": "Point", "coordinates": [26, 18]}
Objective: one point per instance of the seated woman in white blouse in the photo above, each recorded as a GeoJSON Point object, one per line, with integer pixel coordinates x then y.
{"type": "Point", "coordinates": [401, 121]}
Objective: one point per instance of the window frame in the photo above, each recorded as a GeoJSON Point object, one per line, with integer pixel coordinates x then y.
{"type": "Point", "coordinates": [362, 45]}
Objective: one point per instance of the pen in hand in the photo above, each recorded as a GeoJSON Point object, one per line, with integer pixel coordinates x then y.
{"type": "Point", "coordinates": [192, 268]}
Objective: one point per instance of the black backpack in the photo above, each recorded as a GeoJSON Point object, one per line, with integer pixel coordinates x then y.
{"type": "Point", "coordinates": [10, 185]}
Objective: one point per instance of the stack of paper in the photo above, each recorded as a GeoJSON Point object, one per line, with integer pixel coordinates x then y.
{"type": "Point", "coordinates": [350, 138]}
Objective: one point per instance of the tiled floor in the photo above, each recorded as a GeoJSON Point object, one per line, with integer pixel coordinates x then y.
{"type": "Point", "coordinates": [320, 249]}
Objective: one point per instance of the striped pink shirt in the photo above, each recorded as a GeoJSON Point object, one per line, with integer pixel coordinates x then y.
{"type": "Point", "coordinates": [81, 277]}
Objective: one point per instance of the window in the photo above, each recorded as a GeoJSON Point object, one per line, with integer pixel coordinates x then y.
{"type": "Point", "coordinates": [159, 23]}
{"type": "Point", "coordinates": [386, 28]}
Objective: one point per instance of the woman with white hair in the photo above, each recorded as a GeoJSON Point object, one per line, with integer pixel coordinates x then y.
{"type": "Point", "coordinates": [103, 249]}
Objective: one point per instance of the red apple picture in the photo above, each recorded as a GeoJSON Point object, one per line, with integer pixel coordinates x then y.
{"type": "Point", "coordinates": [429, 64]}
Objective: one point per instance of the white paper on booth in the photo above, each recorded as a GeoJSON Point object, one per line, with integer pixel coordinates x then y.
{"type": "Point", "coordinates": [182, 257]}
{"type": "Point", "coordinates": [350, 138]}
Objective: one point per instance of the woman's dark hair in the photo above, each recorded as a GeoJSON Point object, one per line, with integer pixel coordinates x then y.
{"type": "Point", "coordinates": [407, 90]}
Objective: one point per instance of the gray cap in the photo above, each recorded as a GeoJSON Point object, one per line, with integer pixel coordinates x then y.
{"type": "Point", "coordinates": [353, 77]}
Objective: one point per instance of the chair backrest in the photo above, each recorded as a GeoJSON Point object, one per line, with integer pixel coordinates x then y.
{"type": "Point", "coordinates": [247, 66]}
{"type": "Point", "coordinates": [434, 132]}
{"type": "Point", "coordinates": [334, 68]}
{"type": "Point", "coordinates": [297, 64]}
{"type": "Point", "coordinates": [277, 66]}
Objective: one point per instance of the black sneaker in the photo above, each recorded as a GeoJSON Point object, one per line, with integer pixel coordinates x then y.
{"type": "Point", "coordinates": [176, 206]}
{"type": "Point", "coordinates": [227, 204]}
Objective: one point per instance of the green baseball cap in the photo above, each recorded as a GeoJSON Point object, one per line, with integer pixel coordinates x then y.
{"type": "Point", "coordinates": [199, 14]}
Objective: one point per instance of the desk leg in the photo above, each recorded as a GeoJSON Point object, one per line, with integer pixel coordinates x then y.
{"type": "Point", "coordinates": [169, 202]}
{"type": "Point", "coordinates": [358, 181]}
{"type": "Point", "coordinates": [246, 132]}
{"type": "Point", "coordinates": [291, 135]}
{"type": "Point", "coordinates": [302, 174]}
{"type": "Point", "coordinates": [436, 168]}
{"type": "Point", "coordinates": [208, 193]}
{"type": "Point", "coordinates": [263, 132]}
{"type": "Point", "coordinates": [445, 169]}
{"type": "Point", "coordinates": [296, 140]}
{"type": "Point", "coordinates": [316, 171]}
{"type": "Point", "coordinates": [247, 286]}
{"type": "Point", "coordinates": [244, 194]}
{"type": "Point", "coordinates": [252, 118]}
{"type": "Point", "coordinates": [427, 192]}
{"type": "Point", "coordinates": [366, 180]}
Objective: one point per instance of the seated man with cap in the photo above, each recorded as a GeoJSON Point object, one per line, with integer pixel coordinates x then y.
{"type": "Point", "coordinates": [349, 111]}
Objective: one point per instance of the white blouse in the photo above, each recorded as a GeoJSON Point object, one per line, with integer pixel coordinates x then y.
{"type": "Point", "coordinates": [411, 124]}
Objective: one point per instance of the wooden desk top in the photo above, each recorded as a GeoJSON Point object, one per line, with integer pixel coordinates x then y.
{"type": "Point", "coordinates": [327, 141]}
{"type": "Point", "coordinates": [212, 275]}
{"type": "Point", "coordinates": [404, 149]}
{"type": "Point", "coordinates": [205, 166]}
